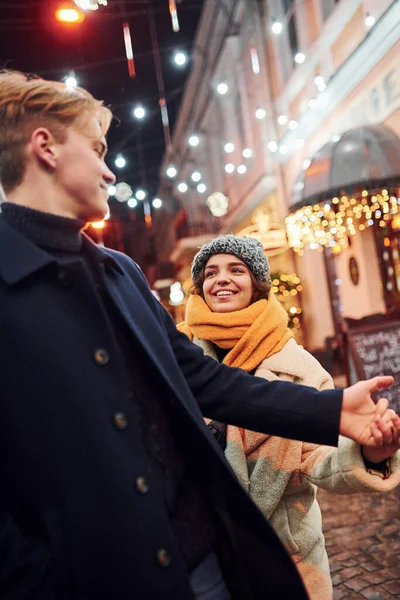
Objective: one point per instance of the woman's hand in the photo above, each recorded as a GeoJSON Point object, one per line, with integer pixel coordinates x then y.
{"type": "Point", "coordinates": [386, 433]}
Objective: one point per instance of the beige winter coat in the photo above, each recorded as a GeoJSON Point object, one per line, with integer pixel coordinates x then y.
{"type": "Point", "coordinates": [282, 475]}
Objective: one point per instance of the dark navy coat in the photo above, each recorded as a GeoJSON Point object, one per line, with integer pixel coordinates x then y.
{"type": "Point", "coordinates": [74, 521]}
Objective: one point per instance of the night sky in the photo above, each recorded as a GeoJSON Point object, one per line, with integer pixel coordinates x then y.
{"type": "Point", "coordinates": [31, 40]}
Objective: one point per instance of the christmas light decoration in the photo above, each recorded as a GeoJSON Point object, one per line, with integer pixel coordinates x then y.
{"type": "Point", "coordinates": [140, 194]}
{"type": "Point", "coordinates": [286, 287]}
{"type": "Point", "coordinates": [276, 27]}
{"type": "Point", "coordinates": [330, 223]}
{"type": "Point", "coordinates": [129, 50]}
{"type": "Point", "coordinates": [174, 15]}
{"type": "Point", "coordinates": [218, 204]}
{"type": "Point", "coordinates": [171, 171]}
{"type": "Point", "coordinates": [68, 13]}
{"type": "Point", "coordinates": [90, 4]}
{"type": "Point", "coordinates": [255, 64]}
{"type": "Point", "coordinates": [123, 191]}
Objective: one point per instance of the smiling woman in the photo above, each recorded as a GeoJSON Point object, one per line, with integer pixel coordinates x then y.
{"type": "Point", "coordinates": [235, 318]}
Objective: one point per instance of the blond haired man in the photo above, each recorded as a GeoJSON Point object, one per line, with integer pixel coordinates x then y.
{"type": "Point", "coordinates": [100, 395]}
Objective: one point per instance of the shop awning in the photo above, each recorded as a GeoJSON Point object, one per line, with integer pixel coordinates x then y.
{"type": "Point", "coordinates": [359, 158]}
{"type": "Point", "coordinates": [350, 183]}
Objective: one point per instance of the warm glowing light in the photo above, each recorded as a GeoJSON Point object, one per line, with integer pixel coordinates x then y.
{"type": "Point", "coordinates": [331, 224]}
{"type": "Point", "coordinates": [69, 14]}
{"type": "Point", "coordinates": [129, 50]}
{"type": "Point", "coordinates": [174, 16]}
{"type": "Point", "coordinates": [98, 225]}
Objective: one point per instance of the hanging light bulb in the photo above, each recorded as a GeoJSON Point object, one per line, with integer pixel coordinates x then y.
{"type": "Point", "coordinates": [90, 4]}
{"type": "Point", "coordinates": [255, 64]}
{"type": "Point", "coordinates": [174, 15]}
{"type": "Point", "coordinates": [129, 50]}
{"type": "Point", "coordinates": [67, 13]}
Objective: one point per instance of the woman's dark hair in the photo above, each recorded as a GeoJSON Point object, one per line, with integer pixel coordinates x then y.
{"type": "Point", "coordinates": [261, 288]}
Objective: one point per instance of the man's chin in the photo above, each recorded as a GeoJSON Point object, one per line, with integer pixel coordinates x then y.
{"type": "Point", "coordinates": [99, 214]}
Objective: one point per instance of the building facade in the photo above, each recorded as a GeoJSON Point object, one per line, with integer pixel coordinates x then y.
{"type": "Point", "coordinates": [292, 115]}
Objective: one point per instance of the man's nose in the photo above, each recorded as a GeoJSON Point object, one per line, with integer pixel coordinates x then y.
{"type": "Point", "coordinates": [109, 177]}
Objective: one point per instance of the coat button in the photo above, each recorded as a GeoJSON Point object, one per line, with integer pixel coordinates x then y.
{"type": "Point", "coordinates": [101, 357]}
{"type": "Point", "coordinates": [120, 420]}
{"type": "Point", "coordinates": [141, 485]}
{"type": "Point", "coordinates": [63, 278]}
{"type": "Point", "coordinates": [163, 558]}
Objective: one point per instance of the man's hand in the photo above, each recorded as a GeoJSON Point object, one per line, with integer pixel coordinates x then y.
{"type": "Point", "coordinates": [359, 412]}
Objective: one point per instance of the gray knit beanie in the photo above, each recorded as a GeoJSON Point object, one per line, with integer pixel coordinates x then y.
{"type": "Point", "coordinates": [249, 250]}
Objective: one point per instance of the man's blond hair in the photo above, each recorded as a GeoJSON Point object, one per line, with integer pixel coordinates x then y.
{"type": "Point", "coordinates": [27, 103]}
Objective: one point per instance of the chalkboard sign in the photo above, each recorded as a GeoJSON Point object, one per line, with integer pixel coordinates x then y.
{"type": "Point", "coordinates": [375, 350]}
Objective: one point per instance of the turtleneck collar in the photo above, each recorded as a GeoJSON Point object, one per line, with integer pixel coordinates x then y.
{"type": "Point", "coordinates": [44, 229]}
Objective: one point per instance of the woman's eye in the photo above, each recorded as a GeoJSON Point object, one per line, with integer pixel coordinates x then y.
{"type": "Point", "coordinates": [237, 271]}
{"type": "Point", "coordinates": [210, 273]}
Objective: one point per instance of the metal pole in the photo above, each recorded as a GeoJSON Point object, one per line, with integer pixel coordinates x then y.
{"type": "Point", "coordinates": [143, 181]}
{"type": "Point", "coordinates": [160, 80]}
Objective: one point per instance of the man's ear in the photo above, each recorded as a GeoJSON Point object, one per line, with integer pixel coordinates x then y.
{"type": "Point", "coordinates": [44, 147]}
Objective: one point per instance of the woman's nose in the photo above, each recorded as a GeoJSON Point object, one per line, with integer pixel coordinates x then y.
{"type": "Point", "coordinates": [222, 278]}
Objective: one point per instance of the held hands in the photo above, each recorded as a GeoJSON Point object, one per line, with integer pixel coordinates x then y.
{"type": "Point", "coordinates": [386, 433]}
{"type": "Point", "coordinates": [371, 425]}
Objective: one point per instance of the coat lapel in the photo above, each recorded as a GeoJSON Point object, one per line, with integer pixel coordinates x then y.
{"type": "Point", "coordinates": [152, 337]}
{"type": "Point", "coordinates": [19, 257]}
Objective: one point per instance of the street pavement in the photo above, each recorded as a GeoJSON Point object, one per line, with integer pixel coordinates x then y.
{"type": "Point", "coordinates": [362, 534]}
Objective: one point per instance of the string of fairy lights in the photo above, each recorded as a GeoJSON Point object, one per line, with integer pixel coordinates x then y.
{"type": "Point", "coordinates": [286, 286]}
{"type": "Point", "coordinates": [329, 224]}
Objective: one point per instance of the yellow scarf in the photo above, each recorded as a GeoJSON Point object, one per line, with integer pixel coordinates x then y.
{"type": "Point", "coordinates": [253, 333]}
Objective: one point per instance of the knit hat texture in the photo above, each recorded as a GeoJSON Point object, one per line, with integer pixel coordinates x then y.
{"type": "Point", "coordinates": [248, 249]}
